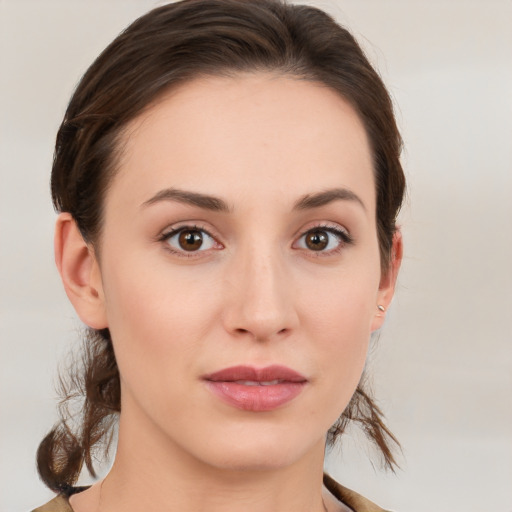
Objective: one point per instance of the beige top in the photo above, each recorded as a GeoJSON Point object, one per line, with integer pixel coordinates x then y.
{"type": "Point", "coordinates": [350, 498]}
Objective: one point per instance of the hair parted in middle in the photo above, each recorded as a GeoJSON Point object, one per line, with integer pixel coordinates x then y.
{"type": "Point", "coordinates": [168, 47]}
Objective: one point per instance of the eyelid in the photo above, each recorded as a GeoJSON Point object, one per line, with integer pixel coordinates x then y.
{"type": "Point", "coordinates": [170, 232]}
{"type": "Point", "coordinates": [334, 229]}
{"type": "Point", "coordinates": [344, 236]}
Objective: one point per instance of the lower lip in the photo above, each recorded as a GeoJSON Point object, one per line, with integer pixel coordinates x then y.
{"type": "Point", "coordinates": [256, 398]}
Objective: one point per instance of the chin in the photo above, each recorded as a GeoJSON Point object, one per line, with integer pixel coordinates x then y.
{"type": "Point", "coordinates": [259, 452]}
{"type": "Point", "coordinates": [253, 462]}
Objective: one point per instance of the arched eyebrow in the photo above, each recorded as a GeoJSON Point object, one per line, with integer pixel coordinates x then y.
{"type": "Point", "coordinates": [327, 196]}
{"type": "Point", "coordinates": [212, 203]}
{"type": "Point", "coordinates": [204, 201]}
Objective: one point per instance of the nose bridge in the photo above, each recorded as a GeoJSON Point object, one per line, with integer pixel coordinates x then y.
{"type": "Point", "coordinates": [261, 303]}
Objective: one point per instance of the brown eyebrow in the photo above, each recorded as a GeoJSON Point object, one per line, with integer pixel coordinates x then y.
{"type": "Point", "coordinates": [216, 204]}
{"type": "Point", "coordinates": [194, 198]}
{"type": "Point", "coordinates": [326, 197]}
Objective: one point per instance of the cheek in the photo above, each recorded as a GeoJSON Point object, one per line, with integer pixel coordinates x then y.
{"type": "Point", "coordinates": [144, 294]}
{"type": "Point", "coordinates": [343, 305]}
{"type": "Point", "coordinates": [157, 332]}
{"type": "Point", "coordinates": [150, 313]}
{"type": "Point", "coordinates": [339, 323]}
{"type": "Point", "coordinates": [346, 329]}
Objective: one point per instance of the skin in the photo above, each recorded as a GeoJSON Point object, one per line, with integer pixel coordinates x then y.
{"type": "Point", "coordinates": [253, 294]}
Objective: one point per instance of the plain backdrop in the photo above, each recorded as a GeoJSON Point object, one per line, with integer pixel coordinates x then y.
{"type": "Point", "coordinates": [442, 367]}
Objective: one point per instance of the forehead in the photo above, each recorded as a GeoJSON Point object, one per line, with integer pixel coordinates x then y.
{"type": "Point", "coordinates": [249, 135]}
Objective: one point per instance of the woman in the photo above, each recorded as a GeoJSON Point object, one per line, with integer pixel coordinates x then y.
{"type": "Point", "coordinates": [228, 178]}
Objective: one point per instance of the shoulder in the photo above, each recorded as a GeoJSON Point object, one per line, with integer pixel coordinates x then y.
{"type": "Point", "coordinates": [59, 504]}
{"type": "Point", "coordinates": [354, 500]}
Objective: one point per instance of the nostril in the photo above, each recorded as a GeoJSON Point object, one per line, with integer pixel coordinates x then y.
{"type": "Point", "coordinates": [260, 336]}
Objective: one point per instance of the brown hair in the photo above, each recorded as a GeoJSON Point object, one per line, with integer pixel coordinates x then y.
{"type": "Point", "coordinates": [168, 46]}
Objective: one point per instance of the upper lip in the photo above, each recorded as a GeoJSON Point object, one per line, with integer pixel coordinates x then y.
{"type": "Point", "coordinates": [250, 373]}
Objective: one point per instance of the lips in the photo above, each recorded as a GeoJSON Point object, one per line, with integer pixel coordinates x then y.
{"type": "Point", "coordinates": [256, 389]}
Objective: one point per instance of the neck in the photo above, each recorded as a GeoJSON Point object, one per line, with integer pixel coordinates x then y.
{"type": "Point", "coordinates": [151, 473]}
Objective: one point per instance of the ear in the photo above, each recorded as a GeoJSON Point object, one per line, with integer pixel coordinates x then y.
{"type": "Point", "coordinates": [80, 272]}
{"type": "Point", "coordinates": [388, 282]}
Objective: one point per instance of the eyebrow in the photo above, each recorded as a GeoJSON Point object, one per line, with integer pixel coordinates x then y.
{"type": "Point", "coordinates": [212, 203]}
{"type": "Point", "coordinates": [204, 201]}
{"type": "Point", "coordinates": [327, 196]}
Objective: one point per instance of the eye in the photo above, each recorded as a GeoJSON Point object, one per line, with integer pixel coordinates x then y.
{"type": "Point", "coordinates": [189, 239]}
{"type": "Point", "coordinates": [324, 239]}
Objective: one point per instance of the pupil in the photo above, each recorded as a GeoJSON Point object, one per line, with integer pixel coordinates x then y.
{"type": "Point", "coordinates": [317, 240]}
{"type": "Point", "coordinates": [190, 240]}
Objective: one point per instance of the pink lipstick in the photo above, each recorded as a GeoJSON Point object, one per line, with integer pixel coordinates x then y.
{"type": "Point", "coordinates": [253, 389]}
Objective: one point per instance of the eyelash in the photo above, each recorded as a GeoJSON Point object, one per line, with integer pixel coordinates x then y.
{"type": "Point", "coordinates": [165, 237]}
{"type": "Point", "coordinates": [343, 237]}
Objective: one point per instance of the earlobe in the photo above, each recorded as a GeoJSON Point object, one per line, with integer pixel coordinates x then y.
{"type": "Point", "coordinates": [388, 282]}
{"type": "Point", "coordinates": [80, 273]}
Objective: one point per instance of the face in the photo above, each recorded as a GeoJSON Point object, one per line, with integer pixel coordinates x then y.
{"type": "Point", "coordinates": [239, 268]}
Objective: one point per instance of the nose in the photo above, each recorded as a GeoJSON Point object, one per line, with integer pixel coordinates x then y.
{"type": "Point", "coordinates": [260, 302]}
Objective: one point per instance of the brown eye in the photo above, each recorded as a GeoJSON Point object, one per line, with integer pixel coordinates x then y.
{"type": "Point", "coordinates": [325, 240]}
{"type": "Point", "coordinates": [317, 240]}
{"type": "Point", "coordinates": [190, 239]}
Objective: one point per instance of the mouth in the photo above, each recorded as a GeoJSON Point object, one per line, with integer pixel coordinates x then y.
{"type": "Point", "coordinates": [252, 389]}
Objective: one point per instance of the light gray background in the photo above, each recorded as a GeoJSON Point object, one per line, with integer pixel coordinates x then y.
{"type": "Point", "coordinates": [443, 364]}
